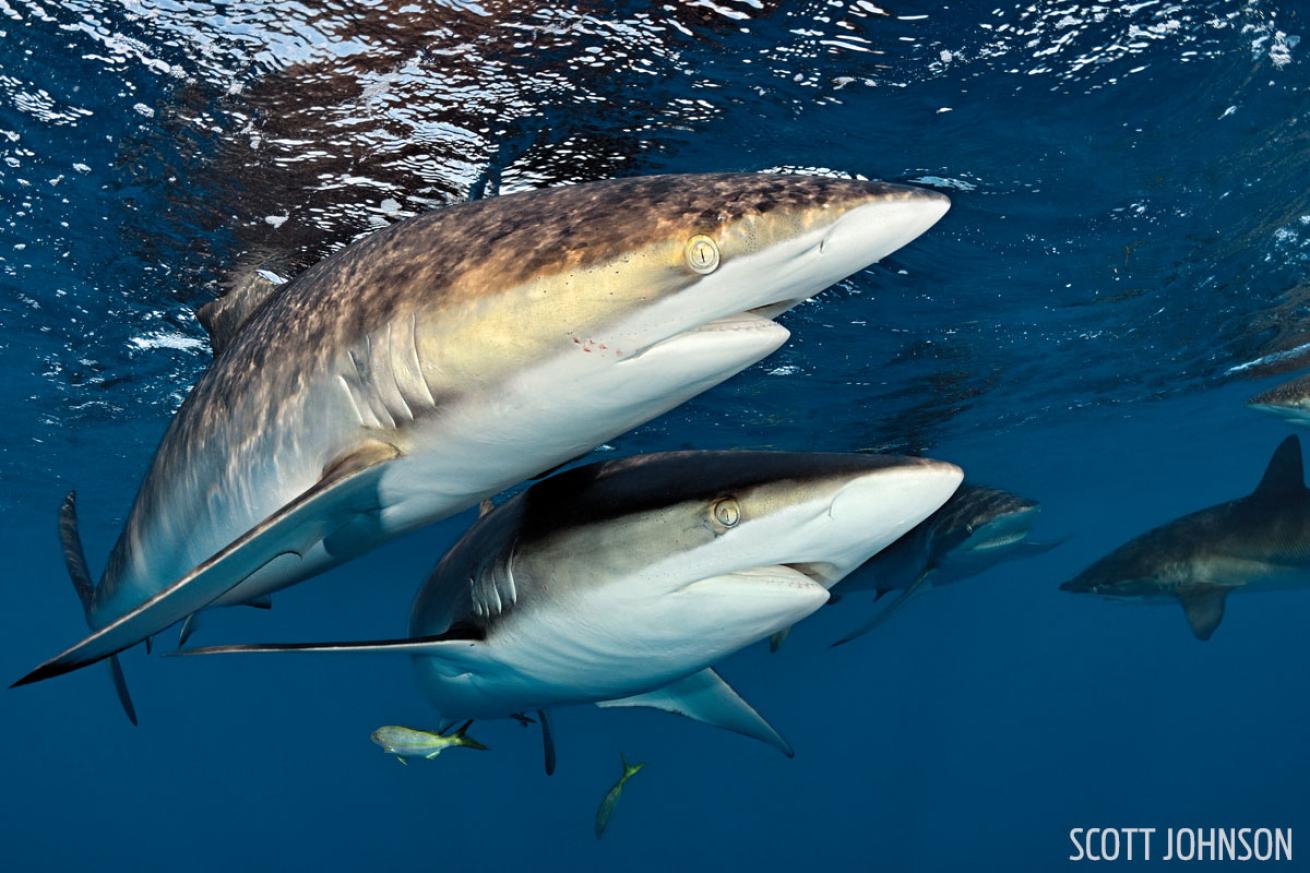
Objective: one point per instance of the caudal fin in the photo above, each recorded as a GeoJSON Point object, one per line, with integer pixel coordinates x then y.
{"type": "Point", "coordinates": [75, 560]}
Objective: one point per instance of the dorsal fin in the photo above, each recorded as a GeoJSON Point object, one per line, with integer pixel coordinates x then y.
{"type": "Point", "coordinates": [1284, 476]}
{"type": "Point", "coordinates": [250, 286]}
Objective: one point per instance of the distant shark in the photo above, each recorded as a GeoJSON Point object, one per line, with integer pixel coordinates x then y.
{"type": "Point", "coordinates": [621, 583]}
{"type": "Point", "coordinates": [1289, 401]}
{"type": "Point", "coordinates": [1258, 542]}
{"type": "Point", "coordinates": [974, 531]}
{"type": "Point", "coordinates": [452, 355]}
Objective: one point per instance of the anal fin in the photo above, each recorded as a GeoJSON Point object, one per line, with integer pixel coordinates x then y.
{"type": "Point", "coordinates": [705, 697]}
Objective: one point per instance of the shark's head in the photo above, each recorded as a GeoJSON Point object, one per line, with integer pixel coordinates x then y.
{"type": "Point", "coordinates": [737, 250]}
{"type": "Point", "coordinates": [670, 281]}
{"type": "Point", "coordinates": [617, 577]}
{"type": "Point", "coordinates": [981, 523]}
{"type": "Point", "coordinates": [1289, 401]}
{"type": "Point", "coordinates": [1149, 566]}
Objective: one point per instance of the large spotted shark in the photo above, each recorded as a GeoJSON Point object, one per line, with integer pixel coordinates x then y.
{"type": "Point", "coordinates": [447, 357]}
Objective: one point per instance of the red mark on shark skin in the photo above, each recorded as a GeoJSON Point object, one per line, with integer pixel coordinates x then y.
{"type": "Point", "coordinates": [589, 345]}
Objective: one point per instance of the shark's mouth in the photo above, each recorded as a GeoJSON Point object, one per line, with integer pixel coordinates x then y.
{"type": "Point", "coordinates": [783, 574]}
{"type": "Point", "coordinates": [822, 573]}
{"type": "Point", "coordinates": [742, 328]}
{"type": "Point", "coordinates": [773, 310]}
{"type": "Point", "coordinates": [1001, 540]}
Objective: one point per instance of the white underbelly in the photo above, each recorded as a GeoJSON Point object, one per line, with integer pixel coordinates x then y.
{"type": "Point", "coordinates": [554, 412]}
{"type": "Point", "coordinates": [613, 641]}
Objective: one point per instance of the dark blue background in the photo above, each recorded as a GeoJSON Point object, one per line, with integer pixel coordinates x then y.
{"type": "Point", "coordinates": [1075, 330]}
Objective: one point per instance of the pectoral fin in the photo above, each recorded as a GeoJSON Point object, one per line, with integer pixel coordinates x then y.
{"type": "Point", "coordinates": [461, 640]}
{"type": "Point", "coordinates": [1204, 608]}
{"type": "Point", "coordinates": [348, 487]}
{"type": "Point", "coordinates": [705, 697]}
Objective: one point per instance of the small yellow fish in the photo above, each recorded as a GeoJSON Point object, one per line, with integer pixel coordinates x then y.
{"type": "Point", "coordinates": [611, 799]}
{"type": "Point", "coordinates": [406, 742]}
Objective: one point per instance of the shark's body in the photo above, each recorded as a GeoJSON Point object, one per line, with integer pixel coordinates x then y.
{"type": "Point", "coordinates": [620, 583]}
{"type": "Point", "coordinates": [1258, 542]}
{"type": "Point", "coordinates": [974, 531]}
{"type": "Point", "coordinates": [454, 354]}
{"type": "Point", "coordinates": [1289, 401]}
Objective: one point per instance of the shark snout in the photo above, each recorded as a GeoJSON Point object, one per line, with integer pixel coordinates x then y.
{"type": "Point", "coordinates": [917, 487]}
{"type": "Point", "coordinates": [1079, 585]}
{"type": "Point", "coordinates": [875, 509]}
{"type": "Point", "coordinates": [872, 231]}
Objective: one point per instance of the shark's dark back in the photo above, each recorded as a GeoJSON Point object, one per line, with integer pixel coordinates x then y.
{"type": "Point", "coordinates": [599, 492]}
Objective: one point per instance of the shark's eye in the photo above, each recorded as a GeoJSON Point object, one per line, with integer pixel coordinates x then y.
{"type": "Point", "coordinates": [702, 254]}
{"type": "Point", "coordinates": [727, 512]}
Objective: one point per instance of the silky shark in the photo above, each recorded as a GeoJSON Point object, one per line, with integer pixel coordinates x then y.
{"type": "Point", "coordinates": [620, 583]}
{"type": "Point", "coordinates": [974, 531]}
{"type": "Point", "coordinates": [1258, 542]}
{"type": "Point", "coordinates": [1289, 401]}
{"type": "Point", "coordinates": [451, 355]}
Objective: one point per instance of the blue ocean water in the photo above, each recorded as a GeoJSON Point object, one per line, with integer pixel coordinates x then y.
{"type": "Point", "coordinates": [1127, 261]}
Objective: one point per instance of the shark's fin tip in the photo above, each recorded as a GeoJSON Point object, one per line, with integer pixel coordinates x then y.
{"type": "Point", "coordinates": [1285, 474]}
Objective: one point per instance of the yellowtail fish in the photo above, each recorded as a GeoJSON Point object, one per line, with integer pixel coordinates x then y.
{"type": "Point", "coordinates": [404, 742]}
{"type": "Point", "coordinates": [611, 799]}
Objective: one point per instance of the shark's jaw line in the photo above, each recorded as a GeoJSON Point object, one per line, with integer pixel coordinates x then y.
{"type": "Point", "coordinates": [1003, 531]}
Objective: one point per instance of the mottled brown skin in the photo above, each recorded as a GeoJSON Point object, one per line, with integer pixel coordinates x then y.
{"type": "Point", "coordinates": [261, 403]}
{"type": "Point", "coordinates": [1292, 395]}
{"type": "Point", "coordinates": [485, 77]}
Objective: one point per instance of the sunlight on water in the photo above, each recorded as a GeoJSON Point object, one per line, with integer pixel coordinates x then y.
{"type": "Point", "coordinates": [194, 142]}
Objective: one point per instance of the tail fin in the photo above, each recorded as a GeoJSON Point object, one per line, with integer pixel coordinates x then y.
{"type": "Point", "coordinates": [75, 559]}
{"type": "Point", "coordinates": [462, 738]}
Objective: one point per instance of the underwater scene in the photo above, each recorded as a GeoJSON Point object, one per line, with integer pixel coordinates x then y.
{"type": "Point", "coordinates": [709, 435]}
